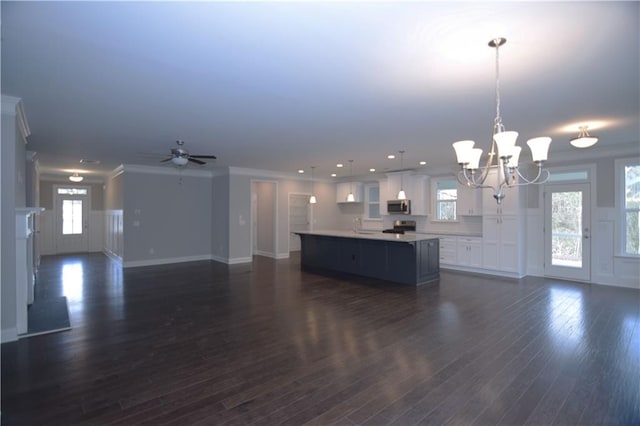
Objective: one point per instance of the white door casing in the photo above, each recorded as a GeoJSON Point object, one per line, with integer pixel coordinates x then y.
{"type": "Point", "coordinates": [299, 218]}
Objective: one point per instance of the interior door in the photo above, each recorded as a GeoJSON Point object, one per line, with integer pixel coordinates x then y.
{"type": "Point", "coordinates": [567, 231]}
{"type": "Point", "coordinates": [298, 218]}
{"type": "Point", "coordinates": [71, 212]}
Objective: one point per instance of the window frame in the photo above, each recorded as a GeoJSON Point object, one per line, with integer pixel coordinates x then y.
{"type": "Point", "coordinates": [368, 202]}
{"type": "Point", "coordinates": [436, 201]}
{"type": "Point", "coordinates": [620, 205]}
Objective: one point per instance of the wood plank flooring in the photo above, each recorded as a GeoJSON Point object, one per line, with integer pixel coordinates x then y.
{"type": "Point", "coordinates": [205, 343]}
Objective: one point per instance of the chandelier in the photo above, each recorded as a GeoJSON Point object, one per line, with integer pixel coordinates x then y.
{"type": "Point", "coordinates": [505, 160]}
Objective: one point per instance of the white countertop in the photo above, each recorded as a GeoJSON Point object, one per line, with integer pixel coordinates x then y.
{"type": "Point", "coordinates": [371, 235]}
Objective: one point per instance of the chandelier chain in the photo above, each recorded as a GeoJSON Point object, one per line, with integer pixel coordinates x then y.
{"type": "Point", "coordinates": [497, 123]}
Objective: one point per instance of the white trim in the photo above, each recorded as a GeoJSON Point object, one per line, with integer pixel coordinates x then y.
{"type": "Point", "coordinates": [116, 172]}
{"type": "Point", "coordinates": [266, 254]}
{"type": "Point", "coordinates": [619, 197]}
{"type": "Point", "coordinates": [165, 261]}
{"type": "Point", "coordinates": [15, 107]}
{"type": "Point", "coordinates": [237, 260]}
{"type": "Point", "coordinates": [172, 171]}
{"type": "Point", "coordinates": [8, 335]}
{"type": "Point", "coordinates": [269, 174]}
{"type": "Point", "coordinates": [111, 255]}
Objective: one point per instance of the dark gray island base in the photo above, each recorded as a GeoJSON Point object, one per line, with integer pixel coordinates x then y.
{"type": "Point", "coordinates": [404, 259]}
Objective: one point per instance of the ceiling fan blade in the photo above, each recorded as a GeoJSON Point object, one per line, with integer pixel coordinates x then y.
{"type": "Point", "coordinates": [204, 156]}
{"type": "Point", "coordinates": [165, 160]}
{"type": "Point", "coordinates": [196, 161]}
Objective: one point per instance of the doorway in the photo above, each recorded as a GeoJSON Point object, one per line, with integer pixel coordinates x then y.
{"type": "Point", "coordinates": [299, 219]}
{"type": "Point", "coordinates": [567, 236]}
{"type": "Point", "coordinates": [264, 213]}
{"type": "Point", "coordinates": [71, 211]}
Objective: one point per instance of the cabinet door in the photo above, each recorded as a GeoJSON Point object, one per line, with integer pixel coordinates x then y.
{"type": "Point", "coordinates": [509, 250]}
{"type": "Point", "coordinates": [469, 201]}
{"type": "Point", "coordinates": [490, 241]}
{"type": "Point", "coordinates": [510, 203]}
{"type": "Point", "coordinates": [475, 254]}
{"type": "Point", "coordinates": [469, 251]}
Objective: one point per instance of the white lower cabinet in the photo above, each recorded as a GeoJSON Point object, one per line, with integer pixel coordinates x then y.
{"type": "Point", "coordinates": [448, 250]}
{"type": "Point", "coordinates": [501, 249]}
{"type": "Point", "coordinates": [470, 251]}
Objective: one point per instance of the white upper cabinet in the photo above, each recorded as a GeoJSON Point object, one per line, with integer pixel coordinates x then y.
{"type": "Point", "coordinates": [416, 187]}
{"type": "Point", "coordinates": [343, 189]}
{"type": "Point", "coordinates": [469, 201]}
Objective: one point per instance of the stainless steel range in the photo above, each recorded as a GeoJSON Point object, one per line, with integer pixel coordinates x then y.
{"type": "Point", "coordinates": [400, 226]}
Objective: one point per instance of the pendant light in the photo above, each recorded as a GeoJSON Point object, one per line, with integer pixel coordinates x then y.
{"type": "Point", "coordinates": [401, 194]}
{"type": "Point", "coordinates": [312, 199]}
{"type": "Point", "coordinates": [350, 197]}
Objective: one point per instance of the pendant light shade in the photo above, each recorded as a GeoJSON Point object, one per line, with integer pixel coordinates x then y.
{"type": "Point", "coordinates": [350, 197]}
{"type": "Point", "coordinates": [401, 194]}
{"type": "Point", "coordinates": [312, 199]}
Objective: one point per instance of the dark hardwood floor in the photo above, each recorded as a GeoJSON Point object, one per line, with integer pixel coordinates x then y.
{"type": "Point", "coordinates": [267, 343]}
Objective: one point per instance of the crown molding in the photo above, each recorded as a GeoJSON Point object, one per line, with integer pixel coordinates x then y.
{"type": "Point", "coordinates": [170, 171]}
{"type": "Point", "coordinates": [14, 106]}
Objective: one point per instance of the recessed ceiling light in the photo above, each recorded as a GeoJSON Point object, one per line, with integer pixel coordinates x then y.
{"type": "Point", "coordinates": [333, 175]}
{"type": "Point", "coordinates": [372, 170]}
{"type": "Point", "coordinates": [391, 156]}
{"type": "Point", "coordinates": [422, 163]}
{"type": "Point", "coordinates": [86, 161]}
{"type": "Point", "coordinates": [339, 165]}
{"type": "Point", "coordinates": [300, 171]}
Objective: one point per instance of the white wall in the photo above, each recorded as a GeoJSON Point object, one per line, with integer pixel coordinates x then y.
{"type": "Point", "coordinates": [220, 217]}
{"type": "Point", "coordinates": [14, 134]}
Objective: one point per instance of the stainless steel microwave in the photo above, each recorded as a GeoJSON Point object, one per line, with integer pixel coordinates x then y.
{"type": "Point", "coordinates": [399, 206]}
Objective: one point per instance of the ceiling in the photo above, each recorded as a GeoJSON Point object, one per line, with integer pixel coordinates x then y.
{"type": "Point", "coordinates": [288, 85]}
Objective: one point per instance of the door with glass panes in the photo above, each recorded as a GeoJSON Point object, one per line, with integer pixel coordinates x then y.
{"type": "Point", "coordinates": [567, 231]}
{"type": "Point", "coordinates": [71, 213]}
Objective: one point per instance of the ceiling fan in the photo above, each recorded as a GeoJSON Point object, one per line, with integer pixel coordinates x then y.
{"type": "Point", "coordinates": [180, 156]}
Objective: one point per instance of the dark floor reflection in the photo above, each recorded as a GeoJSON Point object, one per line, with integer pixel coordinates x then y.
{"type": "Point", "coordinates": [269, 343]}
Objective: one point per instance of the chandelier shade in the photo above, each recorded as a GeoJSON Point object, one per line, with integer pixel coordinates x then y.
{"type": "Point", "coordinates": [507, 156]}
{"type": "Point", "coordinates": [539, 148]}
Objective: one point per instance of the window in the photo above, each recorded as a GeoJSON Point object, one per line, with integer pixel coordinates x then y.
{"type": "Point", "coordinates": [72, 191]}
{"type": "Point", "coordinates": [372, 201]}
{"type": "Point", "coordinates": [71, 217]}
{"type": "Point", "coordinates": [446, 199]}
{"type": "Point", "coordinates": [629, 173]}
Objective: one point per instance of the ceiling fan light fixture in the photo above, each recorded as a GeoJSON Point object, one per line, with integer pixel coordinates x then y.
{"type": "Point", "coordinates": [584, 139]}
{"type": "Point", "coordinates": [180, 161]}
{"type": "Point", "coordinates": [75, 177]}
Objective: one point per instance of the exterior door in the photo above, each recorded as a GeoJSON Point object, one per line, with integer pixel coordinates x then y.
{"type": "Point", "coordinates": [567, 231]}
{"type": "Point", "coordinates": [298, 218]}
{"type": "Point", "coordinates": [71, 213]}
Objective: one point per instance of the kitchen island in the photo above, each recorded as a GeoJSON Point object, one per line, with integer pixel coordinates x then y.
{"type": "Point", "coordinates": [411, 259]}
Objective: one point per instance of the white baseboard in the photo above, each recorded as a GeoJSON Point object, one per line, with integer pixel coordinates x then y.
{"type": "Point", "coordinates": [236, 260]}
{"type": "Point", "coordinates": [8, 335]}
{"type": "Point", "coordinates": [152, 262]}
{"type": "Point", "coordinates": [231, 261]}
{"type": "Point", "coordinates": [272, 255]}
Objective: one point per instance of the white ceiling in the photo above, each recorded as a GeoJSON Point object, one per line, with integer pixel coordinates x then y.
{"type": "Point", "coordinates": [283, 86]}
